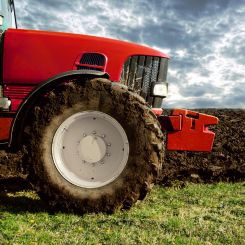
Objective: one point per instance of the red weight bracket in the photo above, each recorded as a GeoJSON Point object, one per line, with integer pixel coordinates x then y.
{"type": "Point", "coordinates": [188, 130]}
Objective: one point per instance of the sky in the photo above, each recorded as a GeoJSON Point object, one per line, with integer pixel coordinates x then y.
{"type": "Point", "coordinates": [204, 38]}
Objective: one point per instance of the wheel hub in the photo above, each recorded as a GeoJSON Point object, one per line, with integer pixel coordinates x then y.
{"type": "Point", "coordinates": [92, 149]}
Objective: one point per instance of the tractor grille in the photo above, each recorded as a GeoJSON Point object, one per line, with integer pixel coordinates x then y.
{"type": "Point", "coordinates": [91, 61]}
{"type": "Point", "coordinates": [139, 72]}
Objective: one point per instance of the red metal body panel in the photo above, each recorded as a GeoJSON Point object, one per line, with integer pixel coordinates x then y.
{"type": "Point", "coordinates": [188, 130]}
{"type": "Point", "coordinates": [171, 123]}
{"type": "Point", "coordinates": [5, 125]}
{"type": "Point", "coordinates": [157, 111]}
{"type": "Point", "coordinates": [31, 57]}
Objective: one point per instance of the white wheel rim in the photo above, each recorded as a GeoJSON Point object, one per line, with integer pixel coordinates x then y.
{"type": "Point", "coordinates": [90, 149]}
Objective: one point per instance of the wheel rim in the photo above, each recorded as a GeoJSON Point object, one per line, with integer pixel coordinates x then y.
{"type": "Point", "coordinates": [90, 149]}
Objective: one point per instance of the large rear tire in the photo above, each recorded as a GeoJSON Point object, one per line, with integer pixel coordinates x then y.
{"type": "Point", "coordinates": [94, 147]}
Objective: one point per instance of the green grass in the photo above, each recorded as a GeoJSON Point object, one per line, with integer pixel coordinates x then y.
{"type": "Point", "coordinates": [196, 214]}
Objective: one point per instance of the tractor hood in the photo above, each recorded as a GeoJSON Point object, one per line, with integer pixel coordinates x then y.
{"type": "Point", "coordinates": [32, 57]}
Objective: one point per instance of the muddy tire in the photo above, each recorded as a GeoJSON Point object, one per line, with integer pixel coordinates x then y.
{"type": "Point", "coordinates": [66, 185]}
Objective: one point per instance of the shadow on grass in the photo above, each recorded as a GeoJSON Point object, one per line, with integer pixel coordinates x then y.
{"type": "Point", "coordinates": [12, 201]}
{"type": "Point", "coordinates": [17, 196]}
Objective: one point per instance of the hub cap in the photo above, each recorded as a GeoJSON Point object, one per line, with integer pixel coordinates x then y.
{"type": "Point", "coordinates": [90, 149]}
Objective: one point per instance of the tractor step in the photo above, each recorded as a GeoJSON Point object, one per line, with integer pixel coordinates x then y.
{"type": "Point", "coordinates": [188, 130]}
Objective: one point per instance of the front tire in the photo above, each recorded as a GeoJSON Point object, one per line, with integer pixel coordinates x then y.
{"type": "Point", "coordinates": [94, 146]}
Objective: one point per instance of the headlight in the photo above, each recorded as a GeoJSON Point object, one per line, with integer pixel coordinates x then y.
{"type": "Point", "coordinates": [1, 20]}
{"type": "Point", "coordinates": [160, 90]}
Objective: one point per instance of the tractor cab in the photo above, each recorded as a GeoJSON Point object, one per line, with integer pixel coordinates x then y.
{"type": "Point", "coordinates": [7, 15]}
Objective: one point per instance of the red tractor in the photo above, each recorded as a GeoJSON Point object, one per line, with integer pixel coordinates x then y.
{"type": "Point", "coordinates": [87, 112]}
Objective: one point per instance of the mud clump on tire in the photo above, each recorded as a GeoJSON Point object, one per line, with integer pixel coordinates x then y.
{"type": "Point", "coordinates": [226, 162]}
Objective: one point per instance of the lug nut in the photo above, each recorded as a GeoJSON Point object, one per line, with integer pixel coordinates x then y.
{"type": "Point", "coordinates": [108, 144]}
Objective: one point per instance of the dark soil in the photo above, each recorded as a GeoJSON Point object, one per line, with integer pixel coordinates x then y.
{"type": "Point", "coordinates": [11, 164]}
{"type": "Point", "coordinates": [225, 163]}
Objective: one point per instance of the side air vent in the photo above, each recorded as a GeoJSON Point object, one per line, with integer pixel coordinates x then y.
{"type": "Point", "coordinates": [140, 72]}
{"type": "Point", "coordinates": [91, 61]}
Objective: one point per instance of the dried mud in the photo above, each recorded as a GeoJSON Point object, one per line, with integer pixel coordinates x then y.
{"type": "Point", "coordinates": [225, 163]}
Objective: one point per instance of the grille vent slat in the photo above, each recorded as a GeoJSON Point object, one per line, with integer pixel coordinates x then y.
{"type": "Point", "coordinates": [132, 71]}
{"type": "Point", "coordinates": [155, 69]}
{"type": "Point", "coordinates": [125, 72]}
{"type": "Point", "coordinates": [147, 77]}
{"type": "Point", "coordinates": [163, 68]}
{"type": "Point", "coordinates": [139, 74]}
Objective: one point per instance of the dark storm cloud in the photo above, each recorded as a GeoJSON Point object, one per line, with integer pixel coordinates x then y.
{"type": "Point", "coordinates": [237, 51]}
{"type": "Point", "coordinates": [33, 14]}
{"type": "Point", "coordinates": [191, 9]}
{"type": "Point", "coordinates": [199, 90]}
{"type": "Point", "coordinates": [206, 38]}
{"type": "Point", "coordinates": [236, 97]}
{"type": "Point", "coordinates": [48, 5]}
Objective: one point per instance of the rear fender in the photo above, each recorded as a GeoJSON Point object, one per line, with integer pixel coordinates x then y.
{"type": "Point", "coordinates": [29, 102]}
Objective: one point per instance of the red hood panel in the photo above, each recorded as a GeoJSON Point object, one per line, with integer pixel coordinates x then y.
{"type": "Point", "coordinates": [31, 57]}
